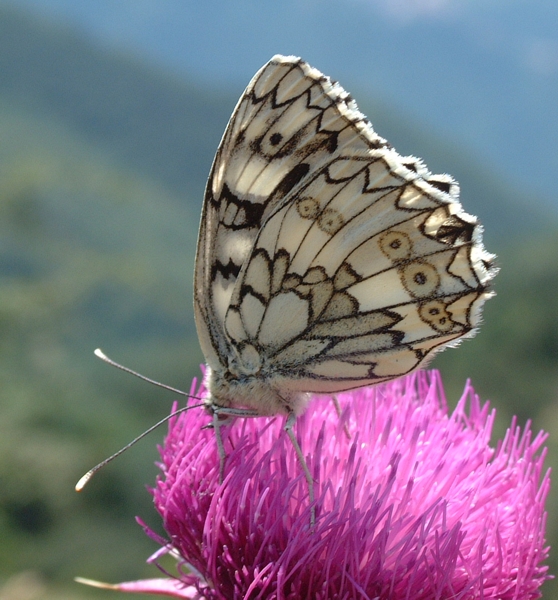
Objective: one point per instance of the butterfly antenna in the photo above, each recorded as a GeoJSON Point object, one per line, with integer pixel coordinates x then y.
{"type": "Point", "coordinates": [83, 481]}
{"type": "Point", "coordinates": [100, 354]}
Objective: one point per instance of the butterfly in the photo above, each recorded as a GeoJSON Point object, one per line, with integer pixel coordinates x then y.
{"type": "Point", "coordinates": [326, 261]}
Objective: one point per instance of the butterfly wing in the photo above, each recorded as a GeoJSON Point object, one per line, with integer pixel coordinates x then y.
{"type": "Point", "coordinates": [290, 121]}
{"type": "Point", "coordinates": [326, 260]}
{"type": "Point", "coordinates": [361, 273]}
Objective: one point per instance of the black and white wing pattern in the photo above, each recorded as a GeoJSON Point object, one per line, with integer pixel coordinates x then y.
{"type": "Point", "coordinates": [326, 261]}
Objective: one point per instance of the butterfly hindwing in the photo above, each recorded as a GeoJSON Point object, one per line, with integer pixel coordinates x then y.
{"type": "Point", "coordinates": [357, 276]}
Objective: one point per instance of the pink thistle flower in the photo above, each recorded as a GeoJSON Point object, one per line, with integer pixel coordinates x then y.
{"type": "Point", "coordinates": [415, 505]}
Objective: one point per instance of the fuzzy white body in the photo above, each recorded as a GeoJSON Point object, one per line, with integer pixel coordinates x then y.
{"type": "Point", "coordinates": [266, 396]}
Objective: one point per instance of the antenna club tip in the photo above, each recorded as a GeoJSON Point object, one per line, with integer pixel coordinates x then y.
{"type": "Point", "coordinates": [98, 352]}
{"type": "Point", "coordinates": [83, 481]}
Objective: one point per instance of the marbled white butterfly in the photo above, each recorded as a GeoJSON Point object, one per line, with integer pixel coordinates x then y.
{"type": "Point", "coordinates": [326, 261]}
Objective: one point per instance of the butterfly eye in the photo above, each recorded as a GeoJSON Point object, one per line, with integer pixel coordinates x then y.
{"type": "Point", "coordinates": [420, 279]}
{"type": "Point", "coordinates": [308, 208]}
{"type": "Point", "coordinates": [436, 315]}
{"type": "Point", "coordinates": [396, 245]}
{"type": "Point", "coordinates": [275, 139]}
{"type": "Point", "coordinates": [330, 221]}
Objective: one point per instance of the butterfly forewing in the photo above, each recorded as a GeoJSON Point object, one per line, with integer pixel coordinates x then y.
{"type": "Point", "coordinates": [288, 123]}
{"type": "Point", "coordinates": [326, 260]}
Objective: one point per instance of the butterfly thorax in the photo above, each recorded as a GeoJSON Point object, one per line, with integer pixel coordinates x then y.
{"type": "Point", "coordinates": [233, 389]}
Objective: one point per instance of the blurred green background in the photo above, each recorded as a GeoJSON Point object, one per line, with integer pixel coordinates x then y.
{"type": "Point", "coordinates": [104, 154]}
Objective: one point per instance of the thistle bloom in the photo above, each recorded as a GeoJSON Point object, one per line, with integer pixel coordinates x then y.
{"type": "Point", "coordinates": [415, 504]}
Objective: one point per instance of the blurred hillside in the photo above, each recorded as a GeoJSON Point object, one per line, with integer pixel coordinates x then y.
{"type": "Point", "coordinates": [102, 167]}
{"type": "Point", "coordinates": [484, 73]}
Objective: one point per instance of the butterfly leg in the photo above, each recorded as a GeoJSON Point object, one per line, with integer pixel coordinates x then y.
{"type": "Point", "coordinates": [217, 424]}
{"type": "Point", "coordinates": [309, 479]}
{"type": "Point", "coordinates": [338, 411]}
{"type": "Point", "coordinates": [230, 414]}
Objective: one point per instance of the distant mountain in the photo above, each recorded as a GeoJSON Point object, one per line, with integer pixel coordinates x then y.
{"type": "Point", "coordinates": [169, 129]}
{"type": "Point", "coordinates": [146, 119]}
{"type": "Point", "coordinates": [482, 73]}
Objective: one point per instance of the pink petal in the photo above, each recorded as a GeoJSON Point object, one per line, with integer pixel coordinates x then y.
{"type": "Point", "coordinates": [163, 587]}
